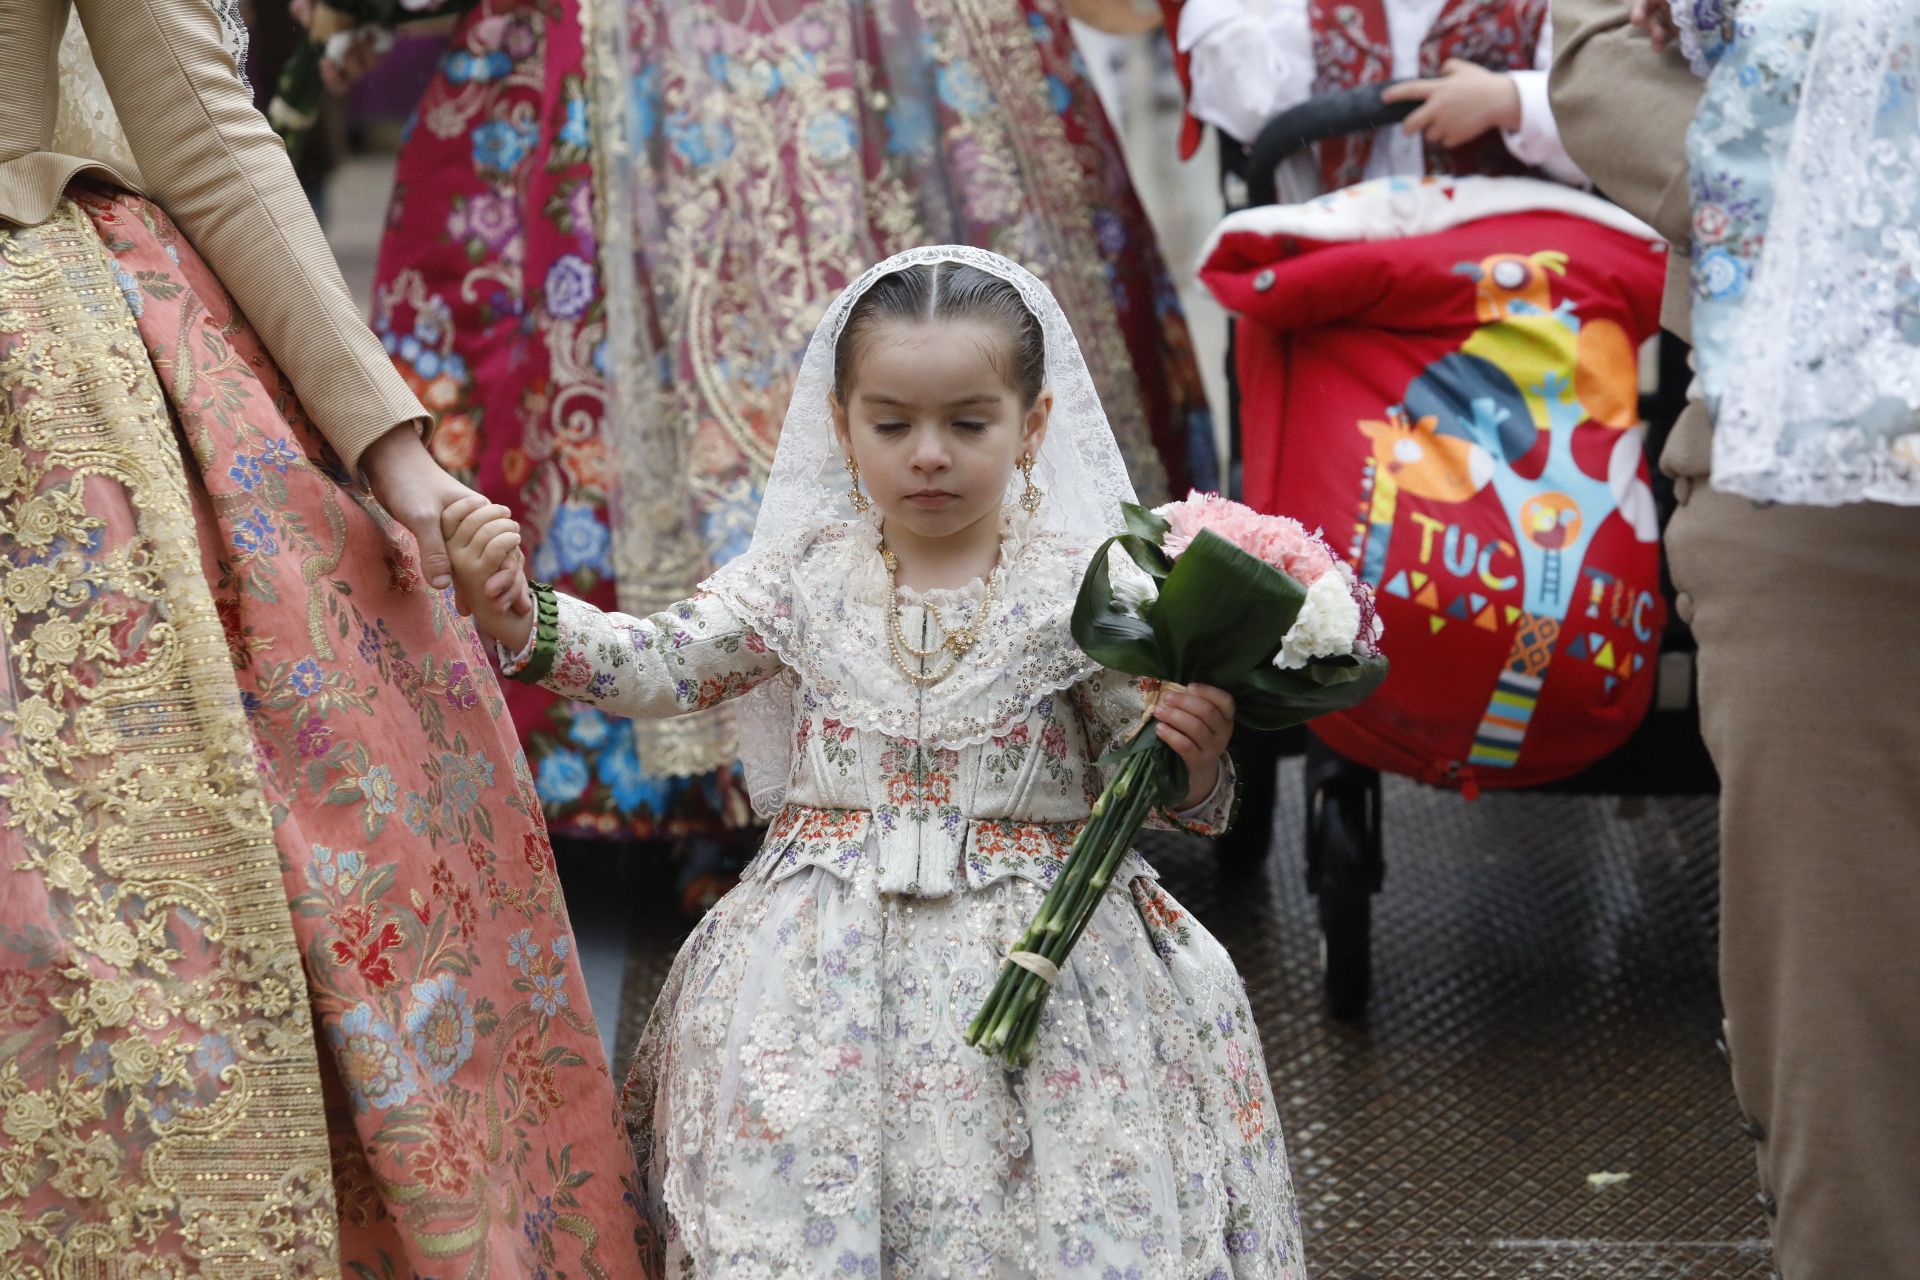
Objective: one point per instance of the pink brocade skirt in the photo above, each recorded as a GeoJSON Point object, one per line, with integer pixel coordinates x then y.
{"type": "Point", "coordinates": [286, 983]}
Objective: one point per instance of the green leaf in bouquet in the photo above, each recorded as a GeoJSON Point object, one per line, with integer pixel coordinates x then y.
{"type": "Point", "coordinates": [1223, 612]}
{"type": "Point", "coordinates": [1273, 699]}
{"type": "Point", "coordinates": [1112, 637]}
{"type": "Point", "coordinates": [1148, 555]}
{"type": "Point", "coordinates": [1139, 744]}
{"type": "Point", "coordinates": [1174, 780]}
{"type": "Point", "coordinates": [1344, 669]}
{"type": "Point", "coordinates": [1143, 523]}
{"type": "Point", "coordinates": [1143, 538]}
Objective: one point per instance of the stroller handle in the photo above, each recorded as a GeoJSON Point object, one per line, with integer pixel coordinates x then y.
{"type": "Point", "coordinates": [1330, 115]}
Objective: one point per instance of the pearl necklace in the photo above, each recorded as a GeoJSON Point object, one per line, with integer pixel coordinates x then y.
{"type": "Point", "coordinates": [956, 642]}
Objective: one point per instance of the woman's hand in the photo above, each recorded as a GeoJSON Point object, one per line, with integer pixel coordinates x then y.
{"type": "Point", "coordinates": [1196, 720]}
{"type": "Point", "coordinates": [1656, 19]}
{"type": "Point", "coordinates": [365, 46]}
{"type": "Point", "coordinates": [417, 491]}
{"type": "Point", "coordinates": [1465, 101]}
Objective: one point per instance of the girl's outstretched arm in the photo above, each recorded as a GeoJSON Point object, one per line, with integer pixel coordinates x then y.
{"type": "Point", "coordinates": [687, 658]}
{"type": "Point", "coordinates": [691, 656]}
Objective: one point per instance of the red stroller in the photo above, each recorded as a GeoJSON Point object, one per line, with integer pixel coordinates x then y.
{"type": "Point", "coordinates": [1443, 375]}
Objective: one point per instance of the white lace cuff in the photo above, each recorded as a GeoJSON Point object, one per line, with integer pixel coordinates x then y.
{"type": "Point", "coordinates": [1691, 19]}
{"type": "Point", "coordinates": [1214, 814]}
{"type": "Point", "coordinates": [514, 663]}
{"type": "Point", "coordinates": [1536, 143]}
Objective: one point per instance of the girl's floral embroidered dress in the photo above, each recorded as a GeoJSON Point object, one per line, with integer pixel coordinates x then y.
{"type": "Point", "coordinates": [802, 1102]}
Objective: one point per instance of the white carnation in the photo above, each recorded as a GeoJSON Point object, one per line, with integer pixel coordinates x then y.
{"type": "Point", "coordinates": [1133, 590]}
{"type": "Point", "coordinates": [1327, 627]}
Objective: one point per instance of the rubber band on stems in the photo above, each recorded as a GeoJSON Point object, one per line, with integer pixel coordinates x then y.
{"type": "Point", "coordinates": [1153, 703]}
{"type": "Point", "coordinates": [1036, 964]}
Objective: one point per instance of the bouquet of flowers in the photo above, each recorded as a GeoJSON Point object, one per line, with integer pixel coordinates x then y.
{"type": "Point", "coordinates": [296, 98]}
{"type": "Point", "coordinates": [1254, 604]}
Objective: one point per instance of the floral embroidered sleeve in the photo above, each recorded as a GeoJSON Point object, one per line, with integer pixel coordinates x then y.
{"type": "Point", "coordinates": [1110, 705]}
{"type": "Point", "coordinates": [695, 655]}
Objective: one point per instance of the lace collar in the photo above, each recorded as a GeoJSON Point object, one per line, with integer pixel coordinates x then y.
{"type": "Point", "coordinates": [819, 600]}
{"type": "Point", "coordinates": [868, 578]}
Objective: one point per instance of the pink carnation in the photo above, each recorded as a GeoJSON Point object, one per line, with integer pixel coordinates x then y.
{"type": "Point", "coordinates": [1281, 541]}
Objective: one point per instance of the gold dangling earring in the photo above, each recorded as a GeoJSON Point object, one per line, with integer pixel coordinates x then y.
{"type": "Point", "coordinates": [1030, 497]}
{"type": "Point", "coordinates": [854, 494]}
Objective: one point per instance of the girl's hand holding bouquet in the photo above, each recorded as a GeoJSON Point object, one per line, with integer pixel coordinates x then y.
{"type": "Point", "coordinates": [1195, 723]}
{"type": "Point", "coordinates": [1256, 606]}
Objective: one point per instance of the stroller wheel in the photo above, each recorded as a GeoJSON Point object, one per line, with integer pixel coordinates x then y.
{"type": "Point", "coordinates": [1245, 847]}
{"type": "Point", "coordinates": [1344, 871]}
{"type": "Point", "coordinates": [1346, 952]}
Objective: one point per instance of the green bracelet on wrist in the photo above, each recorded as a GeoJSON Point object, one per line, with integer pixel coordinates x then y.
{"type": "Point", "coordinates": [546, 634]}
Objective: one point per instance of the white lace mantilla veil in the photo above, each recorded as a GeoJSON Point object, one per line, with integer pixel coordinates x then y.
{"type": "Point", "coordinates": [1821, 385]}
{"type": "Point", "coordinates": [1084, 480]}
{"type": "Point", "coordinates": [86, 124]}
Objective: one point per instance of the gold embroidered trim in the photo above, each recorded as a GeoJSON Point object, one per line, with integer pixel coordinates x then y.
{"type": "Point", "coordinates": [133, 812]}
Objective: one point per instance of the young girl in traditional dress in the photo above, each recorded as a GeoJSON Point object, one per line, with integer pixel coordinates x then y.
{"type": "Point", "coordinates": [923, 733]}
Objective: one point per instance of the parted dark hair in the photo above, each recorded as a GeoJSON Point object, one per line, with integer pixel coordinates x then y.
{"type": "Point", "coordinates": [930, 291]}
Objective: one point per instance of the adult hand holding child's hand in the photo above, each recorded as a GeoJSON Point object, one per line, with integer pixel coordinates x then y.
{"type": "Point", "coordinates": [417, 491]}
{"type": "Point", "coordinates": [483, 543]}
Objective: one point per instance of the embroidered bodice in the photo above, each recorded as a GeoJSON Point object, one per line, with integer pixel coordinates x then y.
{"type": "Point", "coordinates": [988, 773]}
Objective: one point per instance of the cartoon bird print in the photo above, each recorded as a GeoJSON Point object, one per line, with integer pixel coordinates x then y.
{"type": "Point", "coordinates": [1505, 279]}
{"type": "Point", "coordinates": [1527, 335]}
{"type": "Point", "coordinates": [1568, 371]}
{"type": "Point", "coordinates": [1432, 453]}
{"type": "Point", "coordinates": [1550, 524]}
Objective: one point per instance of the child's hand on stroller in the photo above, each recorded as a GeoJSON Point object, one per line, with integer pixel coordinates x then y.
{"type": "Point", "coordinates": [483, 541]}
{"type": "Point", "coordinates": [1463, 102]}
{"type": "Point", "coordinates": [1196, 720]}
{"type": "Point", "coordinates": [1655, 17]}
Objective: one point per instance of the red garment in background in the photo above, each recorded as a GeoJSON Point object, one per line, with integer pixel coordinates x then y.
{"type": "Point", "coordinates": [1351, 47]}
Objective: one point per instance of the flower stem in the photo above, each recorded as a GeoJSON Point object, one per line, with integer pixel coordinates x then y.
{"type": "Point", "coordinates": [1008, 1022]}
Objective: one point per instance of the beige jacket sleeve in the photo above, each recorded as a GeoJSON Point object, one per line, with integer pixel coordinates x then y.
{"type": "Point", "coordinates": [213, 163]}
{"type": "Point", "coordinates": [1623, 112]}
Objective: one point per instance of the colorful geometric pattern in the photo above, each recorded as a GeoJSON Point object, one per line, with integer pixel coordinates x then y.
{"type": "Point", "coordinates": [1496, 743]}
{"type": "Point", "coordinates": [1533, 645]}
